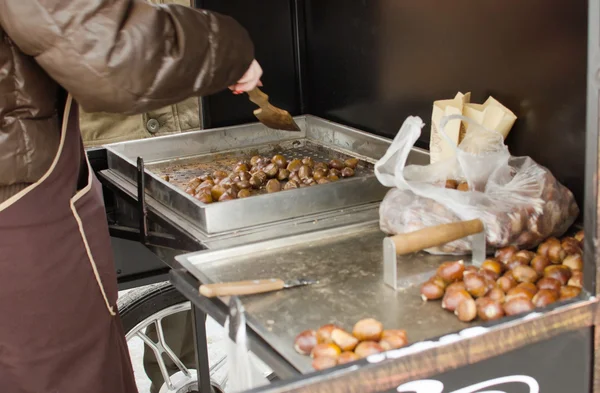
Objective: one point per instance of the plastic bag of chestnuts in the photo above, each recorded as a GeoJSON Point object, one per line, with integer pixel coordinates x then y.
{"type": "Point", "coordinates": [519, 201]}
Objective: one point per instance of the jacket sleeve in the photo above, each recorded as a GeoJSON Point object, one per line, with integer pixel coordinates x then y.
{"type": "Point", "coordinates": [128, 56]}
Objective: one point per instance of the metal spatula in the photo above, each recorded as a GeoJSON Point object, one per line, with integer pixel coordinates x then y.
{"type": "Point", "coordinates": [269, 115]}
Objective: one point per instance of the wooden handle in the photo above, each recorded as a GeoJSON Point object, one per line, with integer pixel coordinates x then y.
{"type": "Point", "coordinates": [407, 243]}
{"type": "Point", "coordinates": [258, 97]}
{"type": "Point", "coordinates": [239, 288]}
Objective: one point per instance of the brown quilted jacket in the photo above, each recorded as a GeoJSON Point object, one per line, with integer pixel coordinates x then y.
{"type": "Point", "coordinates": [117, 56]}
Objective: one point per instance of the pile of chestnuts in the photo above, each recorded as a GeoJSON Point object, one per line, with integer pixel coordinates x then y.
{"type": "Point", "coordinates": [250, 177]}
{"type": "Point", "coordinates": [514, 282]}
{"type": "Point", "coordinates": [331, 345]}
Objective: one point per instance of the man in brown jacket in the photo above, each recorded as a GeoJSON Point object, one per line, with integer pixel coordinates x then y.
{"type": "Point", "coordinates": [60, 330]}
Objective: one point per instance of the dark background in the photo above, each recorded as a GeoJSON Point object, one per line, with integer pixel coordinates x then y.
{"type": "Point", "coordinates": [369, 64]}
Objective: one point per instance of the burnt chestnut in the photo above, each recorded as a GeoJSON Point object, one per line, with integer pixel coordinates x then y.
{"type": "Point", "coordinates": [328, 350]}
{"type": "Point", "coordinates": [518, 306]}
{"type": "Point", "coordinates": [544, 297]}
{"type": "Point", "coordinates": [324, 333]}
{"type": "Point", "coordinates": [323, 363]}
{"type": "Point", "coordinates": [279, 160]}
{"type": "Point", "coordinates": [506, 253]}
{"type": "Point", "coordinates": [452, 184]}
{"type": "Point", "coordinates": [347, 172]}
{"type": "Point", "coordinates": [305, 342]}
{"type": "Point", "coordinates": [524, 274]}
{"type": "Point", "coordinates": [452, 299]}
{"type": "Point", "coordinates": [568, 292]}
{"type": "Point", "coordinates": [493, 265]}
{"type": "Point", "coordinates": [351, 163]}
{"type": "Point", "coordinates": [573, 262]}
{"type": "Point", "coordinates": [367, 348]}
{"type": "Point", "coordinates": [344, 340]}
{"type": "Point", "coordinates": [451, 271]}
{"type": "Point", "coordinates": [347, 357]}
{"type": "Point", "coordinates": [466, 310]}
{"type": "Point", "coordinates": [559, 272]}
{"type": "Point", "coordinates": [475, 284]}
{"type": "Point", "coordinates": [336, 164]}
{"type": "Point", "coordinates": [549, 283]}
{"type": "Point", "coordinates": [304, 172]}
{"type": "Point", "coordinates": [539, 263]}
{"type": "Point", "coordinates": [368, 330]}
{"type": "Point", "coordinates": [576, 279]}
{"type": "Point", "coordinates": [431, 291]}
{"type": "Point", "coordinates": [489, 309]}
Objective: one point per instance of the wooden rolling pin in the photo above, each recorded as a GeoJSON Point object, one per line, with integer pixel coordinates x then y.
{"type": "Point", "coordinates": [407, 243]}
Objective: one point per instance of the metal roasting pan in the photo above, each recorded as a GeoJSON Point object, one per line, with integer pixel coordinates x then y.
{"type": "Point", "coordinates": [184, 156]}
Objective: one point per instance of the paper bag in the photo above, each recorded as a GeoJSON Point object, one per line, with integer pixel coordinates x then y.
{"type": "Point", "coordinates": [492, 115]}
{"type": "Point", "coordinates": [439, 147]}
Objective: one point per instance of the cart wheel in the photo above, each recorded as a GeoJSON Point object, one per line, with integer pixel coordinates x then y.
{"type": "Point", "coordinates": [144, 306]}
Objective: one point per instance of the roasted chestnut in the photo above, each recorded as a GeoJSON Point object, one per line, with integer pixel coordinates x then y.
{"type": "Point", "coordinates": [580, 236]}
{"type": "Point", "coordinates": [573, 262]}
{"type": "Point", "coordinates": [279, 160]}
{"type": "Point", "coordinates": [489, 309]}
{"type": "Point", "coordinates": [333, 178]}
{"type": "Point", "coordinates": [516, 261]}
{"type": "Point", "coordinates": [273, 185]}
{"type": "Point", "coordinates": [458, 285]}
{"type": "Point", "coordinates": [290, 185]}
{"type": "Point", "coordinates": [506, 253]}
{"type": "Point", "coordinates": [475, 284]}
{"type": "Point", "coordinates": [576, 279]}
{"type": "Point", "coordinates": [347, 172]}
{"type": "Point", "coordinates": [452, 299]}
{"type": "Point", "coordinates": [451, 271]}
{"type": "Point", "coordinates": [489, 275]}
{"type": "Point", "coordinates": [351, 163]}
{"type": "Point", "coordinates": [393, 341]}
{"type": "Point", "coordinates": [544, 297]}
{"type": "Point", "coordinates": [294, 165]}
{"type": "Point", "coordinates": [524, 274]}
{"type": "Point", "coordinates": [568, 292]}
{"type": "Point", "coordinates": [549, 283]}
{"type": "Point", "coordinates": [559, 272]}
{"type": "Point", "coordinates": [219, 174]}
{"type": "Point", "coordinates": [525, 255]}
{"type": "Point", "coordinates": [227, 196]}
{"type": "Point", "coordinates": [304, 172]}
{"type": "Point", "coordinates": [328, 350]}
{"type": "Point", "coordinates": [493, 265]}
{"type": "Point", "coordinates": [308, 162]}
{"type": "Point", "coordinates": [470, 269]}
{"type": "Point", "coordinates": [463, 186]}
{"type": "Point", "coordinates": [571, 246]}
{"type": "Point", "coordinates": [323, 181]}
{"type": "Point", "coordinates": [368, 330]}
{"type": "Point", "coordinates": [321, 165]}
{"type": "Point", "coordinates": [529, 287]}
{"type": "Point", "coordinates": [347, 357]}
{"type": "Point", "coordinates": [244, 193]}
{"type": "Point", "coordinates": [283, 174]}
{"type": "Point", "coordinates": [344, 340]}
{"type": "Point", "coordinates": [217, 191]}
{"type": "Point", "coordinates": [305, 342]}
{"type": "Point", "coordinates": [241, 167]}
{"type": "Point", "coordinates": [271, 170]}
{"type": "Point", "coordinates": [466, 310]}
{"type": "Point", "coordinates": [518, 293]}
{"type": "Point", "coordinates": [539, 263]}
{"type": "Point", "coordinates": [394, 332]}
{"type": "Point", "coordinates": [367, 348]}
{"type": "Point", "coordinates": [319, 174]}
{"type": "Point", "coordinates": [243, 184]}
{"type": "Point", "coordinates": [506, 283]}
{"type": "Point", "coordinates": [324, 363]}
{"type": "Point", "coordinates": [544, 247]}
{"type": "Point", "coordinates": [518, 306]}
{"type": "Point", "coordinates": [452, 184]}
{"type": "Point", "coordinates": [258, 179]}
{"type": "Point", "coordinates": [254, 160]}
{"type": "Point", "coordinates": [497, 295]}
{"type": "Point", "coordinates": [336, 164]}
{"type": "Point", "coordinates": [324, 333]}
{"type": "Point", "coordinates": [431, 291]}
{"type": "Point", "coordinates": [204, 197]}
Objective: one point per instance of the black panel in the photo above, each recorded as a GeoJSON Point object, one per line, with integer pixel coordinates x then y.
{"type": "Point", "coordinates": [372, 63]}
{"type": "Point", "coordinates": [271, 26]}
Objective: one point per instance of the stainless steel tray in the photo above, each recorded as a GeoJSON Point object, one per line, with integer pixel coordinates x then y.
{"type": "Point", "coordinates": [348, 262]}
{"type": "Point", "coordinates": [319, 138]}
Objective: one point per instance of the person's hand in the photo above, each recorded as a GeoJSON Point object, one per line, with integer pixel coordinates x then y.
{"type": "Point", "coordinates": [249, 80]}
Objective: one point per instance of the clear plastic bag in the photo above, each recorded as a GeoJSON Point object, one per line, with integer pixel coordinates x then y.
{"type": "Point", "coordinates": [519, 201]}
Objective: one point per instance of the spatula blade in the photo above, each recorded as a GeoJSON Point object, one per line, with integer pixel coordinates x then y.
{"type": "Point", "coordinates": [277, 119]}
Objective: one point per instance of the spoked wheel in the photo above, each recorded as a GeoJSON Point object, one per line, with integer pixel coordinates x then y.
{"type": "Point", "coordinates": [147, 307]}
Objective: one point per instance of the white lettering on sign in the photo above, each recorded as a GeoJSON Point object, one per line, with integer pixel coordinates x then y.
{"type": "Point", "coordinates": [433, 386]}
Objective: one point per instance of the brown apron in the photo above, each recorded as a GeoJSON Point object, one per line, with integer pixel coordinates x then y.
{"type": "Point", "coordinates": [59, 331]}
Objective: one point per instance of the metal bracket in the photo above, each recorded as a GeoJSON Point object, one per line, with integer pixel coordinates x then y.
{"type": "Point", "coordinates": [141, 191]}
